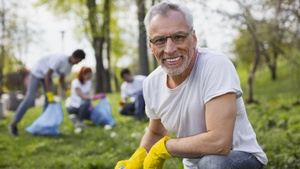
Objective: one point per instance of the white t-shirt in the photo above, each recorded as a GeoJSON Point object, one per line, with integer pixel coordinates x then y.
{"type": "Point", "coordinates": [58, 63]}
{"type": "Point", "coordinates": [130, 89]}
{"type": "Point", "coordinates": [74, 100]}
{"type": "Point", "coordinates": [181, 109]}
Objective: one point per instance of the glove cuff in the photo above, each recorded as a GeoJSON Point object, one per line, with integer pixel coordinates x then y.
{"type": "Point", "coordinates": [49, 96]}
{"type": "Point", "coordinates": [140, 152]}
{"type": "Point", "coordinates": [165, 154]}
{"type": "Point", "coordinates": [68, 92]}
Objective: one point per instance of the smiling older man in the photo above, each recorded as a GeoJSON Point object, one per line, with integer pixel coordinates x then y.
{"type": "Point", "coordinates": [196, 94]}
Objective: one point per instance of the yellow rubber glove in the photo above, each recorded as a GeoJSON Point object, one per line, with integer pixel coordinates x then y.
{"type": "Point", "coordinates": [135, 162]}
{"type": "Point", "coordinates": [157, 155]}
{"type": "Point", "coordinates": [50, 97]}
{"type": "Point", "coordinates": [4, 89]}
{"type": "Point", "coordinates": [68, 92]}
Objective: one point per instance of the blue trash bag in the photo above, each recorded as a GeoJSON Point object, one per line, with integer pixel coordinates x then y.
{"type": "Point", "coordinates": [102, 113]}
{"type": "Point", "coordinates": [48, 121]}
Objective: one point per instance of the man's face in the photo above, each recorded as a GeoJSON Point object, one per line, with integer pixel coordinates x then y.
{"type": "Point", "coordinates": [74, 60]}
{"type": "Point", "coordinates": [127, 77]}
{"type": "Point", "coordinates": [175, 54]}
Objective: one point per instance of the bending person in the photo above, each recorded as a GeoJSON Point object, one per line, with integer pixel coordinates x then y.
{"type": "Point", "coordinates": [78, 104]}
{"type": "Point", "coordinates": [45, 69]}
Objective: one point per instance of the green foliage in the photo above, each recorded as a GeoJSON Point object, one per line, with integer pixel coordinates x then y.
{"type": "Point", "coordinates": [244, 49]}
{"type": "Point", "coordinates": [12, 64]}
{"type": "Point", "coordinates": [277, 127]}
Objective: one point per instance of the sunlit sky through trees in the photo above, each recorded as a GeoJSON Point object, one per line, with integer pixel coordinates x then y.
{"type": "Point", "coordinates": [50, 29]}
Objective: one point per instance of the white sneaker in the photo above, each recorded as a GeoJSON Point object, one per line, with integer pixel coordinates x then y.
{"type": "Point", "coordinates": [78, 130]}
{"type": "Point", "coordinates": [107, 127]}
{"type": "Point", "coordinates": [79, 124]}
{"type": "Point", "coordinates": [73, 118]}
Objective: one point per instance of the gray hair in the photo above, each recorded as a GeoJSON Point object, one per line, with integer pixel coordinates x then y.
{"type": "Point", "coordinates": [163, 8]}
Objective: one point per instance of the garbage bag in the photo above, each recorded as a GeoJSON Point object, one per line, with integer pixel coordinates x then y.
{"type": "Point", "coordinates": [48, 121]}
{"type": "Point", "coordinates": [102, 113]}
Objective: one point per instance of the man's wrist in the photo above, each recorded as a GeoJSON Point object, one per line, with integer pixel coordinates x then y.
{"type": "Point", "coordinates": [166, 153]}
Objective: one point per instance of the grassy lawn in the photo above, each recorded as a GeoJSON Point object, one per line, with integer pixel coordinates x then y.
{"type": "Point", "coordinates": [94, 148]}
{"type": "Point", "coordinates": [276, 122]}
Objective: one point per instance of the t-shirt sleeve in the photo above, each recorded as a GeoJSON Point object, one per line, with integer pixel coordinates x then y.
{"type": "Point", "coordinates": [220, 77]}
{"type": "Point", "coordinates": [75, 84]}
{"type": "Point", "coordinates": [147, 94]}
{"type": "Point", "coordinates": [123, 93]}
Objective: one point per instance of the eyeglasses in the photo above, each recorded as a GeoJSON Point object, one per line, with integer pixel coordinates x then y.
{"type": "Point", "coordinates": [177, 38]}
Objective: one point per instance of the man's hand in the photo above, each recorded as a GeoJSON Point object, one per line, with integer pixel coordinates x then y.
{"type": "Point", "coordinates": [135, 162]}
{"type": "Point", "coordinates": [50, 97]}
{"type": "Point", "coordinates": [157, 155]}
{"type": "Point", "coordinates": [67, 92]}
{"type": "Point", "coordinates": [122, 103]}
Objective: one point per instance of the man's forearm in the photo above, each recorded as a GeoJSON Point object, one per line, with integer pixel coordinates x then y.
{"type": "Point", "coordinates": [197, 146]}
{"type": "Point", "coordinates": [48, 82]}
{"type": "Point", "coordinates": [63, 83]}
{"type": "Point", "coordinates": [154, 133]}
{"type": "Point", "coordinates": [149, 139]}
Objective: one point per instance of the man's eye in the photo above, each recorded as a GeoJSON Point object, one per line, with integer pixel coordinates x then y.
{"type": "Point", "coordinates": [159, 40]}
{"type": "Point", "coordinates": [178, 37]}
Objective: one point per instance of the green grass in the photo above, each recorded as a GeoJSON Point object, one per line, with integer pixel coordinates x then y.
{"type": "Point", "coordinates": [276, 122]}
{"type": "Point", "coordinates": [94, 148]}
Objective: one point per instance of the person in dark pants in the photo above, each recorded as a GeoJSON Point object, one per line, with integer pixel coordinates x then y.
{"type": "Point", "coordinates": [78, 104]}
{"type": "Point", "coordinates": [45, 69]}
{"type": "Point", "coordinates": [132, 100]}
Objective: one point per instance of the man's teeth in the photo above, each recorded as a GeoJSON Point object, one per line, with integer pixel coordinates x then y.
{"type": "Point", "coordinates": [173, 59]}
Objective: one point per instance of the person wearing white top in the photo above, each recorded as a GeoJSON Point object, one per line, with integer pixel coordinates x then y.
{"type": "Point", "coordinates": [196, 94]}
{"type": "Point", "coordinates": [45, 69]}
{"type": "Point", "coordinates": [132, 100]}
{"type": "Point", "coordinates": [78, 104]}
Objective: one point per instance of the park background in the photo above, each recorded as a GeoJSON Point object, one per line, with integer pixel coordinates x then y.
{"type": "Point", "coordinates": [262, 38]}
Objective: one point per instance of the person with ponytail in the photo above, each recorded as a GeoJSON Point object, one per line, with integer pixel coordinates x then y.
{"type": "Point", "coordinates": [78, 104]}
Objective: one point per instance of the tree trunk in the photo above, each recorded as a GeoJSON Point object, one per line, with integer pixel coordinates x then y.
{"type": "Point", "coordinates": [100, 36]}
{"type": "Point", "coordinates": [250, 87]}
{"type": "Point", "coordinates": [274, 67]}
{"type": "Point", "coordinates": [155, 63]}
{"type": "Point", "coordinates": [1, 71]}
{"type": "Point", "coordinates": [143, 56]}
{"type": "Point", "coordinates": [271, 65]}
{"type": "Point", "coordinates": [1, 110]}
{"type": "Point", "coordinates": [106, 26]}
{"type": "Point", "coordinates": [116, 83]}
{"type": "Point", "coordinates": [2, 57]}
{"type": "Point", "coordinates": [100, 71]}
{"type": "Point", "coordinates": [273, 73]}
{"type": "Point", "coordinates": [252, 74]}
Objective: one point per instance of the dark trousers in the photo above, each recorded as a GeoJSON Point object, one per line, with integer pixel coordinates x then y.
{"type": "Point", "coordinates": [83, 112]}
{"type": "Point", "coordinates": [136, 108]}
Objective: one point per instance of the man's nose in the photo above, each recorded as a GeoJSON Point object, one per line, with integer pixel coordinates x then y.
{"type": "Point", "coordinates": [170, 46]}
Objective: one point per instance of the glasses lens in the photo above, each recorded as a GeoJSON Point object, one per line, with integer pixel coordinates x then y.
{"type": "Point", "coordinates": [159, 40]}
{"type": "Point", "coordinates": [178, 38]}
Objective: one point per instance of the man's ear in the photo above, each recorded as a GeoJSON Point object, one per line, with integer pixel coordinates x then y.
{"type": "Point", "coordinates": [151, 47]}
{"type": "Point", "coordinates": [195, 39]}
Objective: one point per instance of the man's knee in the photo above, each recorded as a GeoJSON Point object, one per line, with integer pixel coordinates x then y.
{"type": "Point", "coordinates": [213, 162]}
{"type": "Point", "coordinates": [125, 111]}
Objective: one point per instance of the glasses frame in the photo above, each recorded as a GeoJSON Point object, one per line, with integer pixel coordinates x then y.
{"type": "Point", "coordinates": [184, 34]}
